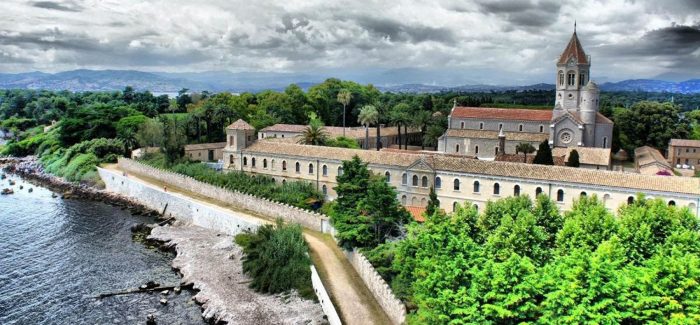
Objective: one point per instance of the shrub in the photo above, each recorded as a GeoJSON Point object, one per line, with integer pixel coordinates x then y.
{"type": "Point", "coordinates": [277, 258]}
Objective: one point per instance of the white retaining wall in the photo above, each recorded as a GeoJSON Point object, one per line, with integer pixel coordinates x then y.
{"type": "Point", "coordinates": [381, 291]}
{"type": "Point", "coordinates": [263, 206]}
{"type": "Point", "coordinates": [324, 298]}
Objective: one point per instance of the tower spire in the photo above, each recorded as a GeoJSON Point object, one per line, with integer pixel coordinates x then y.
{"type": "Point", "coordinates": [574, 26]}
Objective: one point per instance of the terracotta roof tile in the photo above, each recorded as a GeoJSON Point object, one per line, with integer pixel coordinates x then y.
{"type": "Point", "coordinates": [685, 143]}
{"type": "Point", "coordinates": [502, 113]}
{"type": "Point", "coordinates": [240, 125]}
{"type": "Point", "coordinates": [646, 155]}
{"type": "Point", "coordinates": [575, 50]}
{"type": "Point", "coordinates": [416, 212]}
{"type": "Point", "coordinates": [586, 155]}
{"type": "Point", "coordinates": [601, 119]}
{"type": "Point", "coordinates": [201, 146]}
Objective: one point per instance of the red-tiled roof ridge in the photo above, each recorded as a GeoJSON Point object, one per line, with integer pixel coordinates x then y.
{"type": "Point", "coordinates": [521, 114]}
{"type": "Point", "coordinates": [240, 125]}
{"type": "Point", "coordinates": [574, 49]}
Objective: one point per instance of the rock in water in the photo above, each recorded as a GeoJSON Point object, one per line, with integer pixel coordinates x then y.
{"type": "Point", "coordinates": [177, 289]}
{"type": "Point", "coordinates": [165, 292]}
{"type": "Point", "coordinates": [30, 190]}
{"type": "Point", "coordinates": [150, 319]}
{"type": "Point", "coordinates": [164, 301]}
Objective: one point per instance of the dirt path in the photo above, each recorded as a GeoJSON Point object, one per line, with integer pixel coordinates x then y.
{"type": "Point", "coordinates": [352, 299]}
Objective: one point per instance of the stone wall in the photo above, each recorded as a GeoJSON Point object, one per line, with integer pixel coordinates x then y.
{"type": "Point", "coordinates": [324, 299]}
{"type": "Point", "coordinates": [381, 291]}
{"type": "Point", "coordinates": [262, 206]}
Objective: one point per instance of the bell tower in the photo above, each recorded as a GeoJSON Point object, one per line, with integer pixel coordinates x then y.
{"type": "Point", "coordinates": [573, 73]}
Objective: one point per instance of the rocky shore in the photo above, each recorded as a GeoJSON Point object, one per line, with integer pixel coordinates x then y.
{"type": "Point", "coordinates": [211, 263]}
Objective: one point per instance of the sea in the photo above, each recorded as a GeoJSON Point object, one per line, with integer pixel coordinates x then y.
{"type": "Point", "coordinates": [57, 255]}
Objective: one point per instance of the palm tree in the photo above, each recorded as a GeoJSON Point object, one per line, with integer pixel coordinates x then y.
{"type": "Point", "coordinates": [344, 97]}
{"type": "Point", "coordinates": [398, 117]}
{"type": "Point", "coordinates": [313, 134]}
{"type": "Point", "coordinates": [420, 120]}
{"type": "Point", "coordinates": [368, 115]}
{"type": "Point", "coordinates": [525, 148]}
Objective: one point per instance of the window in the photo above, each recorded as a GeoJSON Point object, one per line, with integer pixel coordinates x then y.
{"type": "Point", "coordinates": [541, 128]}
{"type": "Point", "coordinates": [476, 186]}
{"type": "Point", "coordinates": [561, 78]}
{"type": "Point", "coordinates": [297, 168]}
{"type": "Point", "coordinates": [245, 161]}
{"type": "Point", "coordinates": [284, 182]}
{"type": "Point", "coordinates": [583, 194]}
{"type": "Point", "coordinates": [560, 195]}
{"type": "Point", "coordinates": [230, 140]}
{"type": "Point", "coordinates": [520, 128]}
{"type": "Point", "coordinates": [500, 126]}
{"type": "Point", "coordinates": [461, 125]}
{"type": "Point", "coordinates": [455, 205]}
{"type": "Point", "coordinates": [672, 203]}
{"type": "Point", "coordinates": [324, 189]}
{"type": "Point", "coordinates": [516, 190]}
{"type": "Point", "coordinates": [230, 159]}
{"type": "Point", "coordinates": [481, 126]}
{"type": "Point", "coordinates": [496, 189]}
{"type": "Point", "coordinates": [476, 150]}
{"type": "Point", "coordinates": [424, 181]}
{"type": "Point", "coordinates": [340, 170]}
{"type": "Point", "coordinates": [456, 148]}
{"type": "Point", "coordinates": [311, 168]}
{"type": "Point", "coordinates": [252, 162]}
{"type": "Point", "coordinates": [415, 180]}
{"type": "Point", "coordinates": [404, 179]}
{"type": "Point", "coordinates": [571, 81]}
{"type": "Point", "coordinates": [403, 199]}
{"type": "Point", "coordinates": [538, 191]}
{"type": "Point", "coordinates": [476, 207]}
{"type": "Point", "coordinates": [605, 142]}
{"type": "Point", "coordinates": [284, 165]}
{"type": "Point", "coordinates": [456, 185]}
{"type": "Point", "coordinates": [264, 163]}
{"type": "Point", "coordinates": [325, 170]}
{"type": "Point", "coordinates": [387, 175]}
{"type": "Point", "coordinates": [438, 182]}
{"type": "Point", "coordinates": [582, 79]}
{"type": "Point", "coordinates": [272, 164]}
{"type": "Point", "coordinates": [495, 151]}
{"type": "Point", "coordinates": [630, 200]}
{"type": "Point", "coordinates": [423, 202]}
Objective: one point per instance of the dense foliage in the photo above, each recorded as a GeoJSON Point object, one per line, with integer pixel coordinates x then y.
{"type": "Point", "coordinates": [366, 211]}
{"type": "Point", "coordinates": [277, 258]}
{"type": "Point", "coordinates": [296, 193]}
{"type": "Point", "coordinates": [524, 262]}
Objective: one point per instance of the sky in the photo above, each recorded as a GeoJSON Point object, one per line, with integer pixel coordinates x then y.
{"type": "Point", "coordinates": [484, 41]}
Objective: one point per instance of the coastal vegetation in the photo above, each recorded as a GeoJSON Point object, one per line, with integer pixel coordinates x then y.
{"type": "Point", "coordinates": [520, 261]}
{"type": "Point", "coordinates": [277, 258]}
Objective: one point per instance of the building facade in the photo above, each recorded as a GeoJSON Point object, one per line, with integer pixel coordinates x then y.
{"type": "Point", "coordinates": [684, 153]}
{"type": "Point", "coordinates": [574, 121]}
{"type": "Point", "coordinates": [388, 135]}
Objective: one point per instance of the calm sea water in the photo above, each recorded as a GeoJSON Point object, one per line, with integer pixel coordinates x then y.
{"type": "Point", "coordinates": [56, 255]}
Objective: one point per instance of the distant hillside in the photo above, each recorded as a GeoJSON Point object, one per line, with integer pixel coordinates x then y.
{"type": "Point", "coordinates": [413, 82]}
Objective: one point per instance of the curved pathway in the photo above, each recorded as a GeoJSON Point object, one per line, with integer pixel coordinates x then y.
{"type": "Point", "coordinates": [353, 301]}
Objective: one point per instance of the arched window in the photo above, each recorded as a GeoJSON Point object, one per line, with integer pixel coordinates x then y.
{"type": "Point", "coordinates": [414, 201]}
{"type": "Point", "coordinates": [324, 189]}
{"type": "Point", "coordinates": [252, 162]}
{"type": "Point", "coordinates": [325, 170]}
{"type": "Point", "coordinates": [272, 164]}
{"type": "Point", "coordinates": [387, 175]}
{"type": "Point", "coordinates": [582, 79]}
{"type": "Point", "coordinates": [456, 184]}
{"type": "Point", "coordinates": [454, 206]}
{"type": "Point", "coordinates": [571, 81]}
{"type": "Point", "coordinates": [340, 170]}
{"type": "Point", "coordinates": [230, 159]}
{"type": "Point", "coordinates": [672, 203]}
{"type": "Point", "coordinates": [630, 200]}
{"type": "Point", "coordinates": [516, 190]}
{"type": "Point", "coordinates": [541, 128]}
{"type": "Point", "coordinates": [438, 182]}
{"type": "Point", "coordinates": [481, 126]}
{"type": "Point", "coordinates": [583, 194]}
{"type": "Point", "coordinates": [561, 78]}
{"type": "Point", "coordinates": [496, 189]}
{"type": "Point", "coordinates": [415, 180]}
{"type": "Point", "coordinates": [264, 163]}
{"type": "Point", "coordinates": [423, 202]}
{"type": "Point", "coordinates": [538, 191]}
{"type": "Point", "coordinates": [297, 167]}
{"type": "Point", "coordinates": [457, 148]}
{"type": "Point", "coordinates": [311, 168]}
{"type": "Point", "coordinates": [476, 207]}
{"type": "Point", "coordinates": [403, 199]}
{"type": "Point", "coordinates": [245, 161]}
{"type": "Point", "coordinates": [560, 195]}
{"type": "Point", "coordinates": [476, 150]}
{"type": "Point", "coordinates": [404, 179]}
{"type": "Point", "coordinates": [424, 181]}
{"type": "Point", "coordinates": [500, 126]}
{"type": "Point", "coordinates": [461, 125]}
{"type": "Point", "coordinates": [605, 142]}
{"type": "Point", "coordinates": [284, 165]}
{"type": "Point", "coordinates": [520, 128]}
{"type": "Point", "coordinates": [476, 187]}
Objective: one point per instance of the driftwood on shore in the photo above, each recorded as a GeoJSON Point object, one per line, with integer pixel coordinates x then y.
{"type": "Point", "coordinates": [136, 290]}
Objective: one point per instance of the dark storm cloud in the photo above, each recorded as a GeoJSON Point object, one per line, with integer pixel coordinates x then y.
{"type": "Point", "coordinates": [523, 13]}
{"type": "Point", "coordinates": [670, 41]}
{"type": "Point", "coordinates": [400, 32]}
{"type": "Point", "coordinates": [71, 7]}
{"type": "Point", "coordinates": [49, 38]}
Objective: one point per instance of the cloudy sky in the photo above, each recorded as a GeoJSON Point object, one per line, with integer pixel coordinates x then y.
{"type": "Point", "coordinates": [490, 41]}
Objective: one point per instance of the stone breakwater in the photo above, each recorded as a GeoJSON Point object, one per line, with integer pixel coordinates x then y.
{"type": "Point", "coordinates": [211, 263]}
{"type": "Point", "coordinates": [31, 170]}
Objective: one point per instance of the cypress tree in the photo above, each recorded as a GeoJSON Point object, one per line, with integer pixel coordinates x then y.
{"type": "Point", "coordinates": [573, 159]}
{"type": "Point", "coordinates": [433, 203]}
{"type": "Point", "coordinates": [544, 154]}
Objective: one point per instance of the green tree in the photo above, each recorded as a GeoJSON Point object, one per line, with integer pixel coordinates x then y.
{"type": "Point", "coordinates": [544, 154]}
{"type": "Point", "coordinates": [127, 128]}
{"type": "Point", "coordinates": [174, 138]}
{"type": "Point", "coordinates": [650, 123]}
{"type": "Point", "coordinates": [433, 203]}
{"type": "Point", "coordinates": [573, 159]}
{"type": "Point", "coordinates": [398, 117]}
{"type": "Point", "coordinates": [314, 133]}
{"type": "Point", "coordinates": [344, 98]}
{"type": "Point", "coordinates": [368, 115]}
{"type": "Point", "coordinates": [150, 133]}
{"type": "Point", "coordinates": [526, 148]}
{"type": "Point", "coordinates": [586, 225]}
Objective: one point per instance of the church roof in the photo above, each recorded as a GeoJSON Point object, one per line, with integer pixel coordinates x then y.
{"type": "Point", "coordinates": [601, 119]}
{"type": "Point", "coordinates": [503, 113]}
{"type": "Point", "coordinates": [586, 155]}
{"type": "Point", "coordinates": [240, 125]}
{"type": "Point", "coordinates": [575, 50]}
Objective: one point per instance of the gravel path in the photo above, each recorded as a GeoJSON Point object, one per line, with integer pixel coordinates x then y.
{"type": "Point", "coordinates": [212, 263]}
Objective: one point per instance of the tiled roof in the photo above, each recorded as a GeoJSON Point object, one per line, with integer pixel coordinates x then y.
{"type": "Point", "coordinates": [601, 119]}
{"type": "Point", "coordinates": [575, 50]}
{"type": "Point", "coordinates": [491, 113]}
{"type": "Point", "coordinates": [336, 131]}
{"type": "Point", "coordinates": [486, 134]}
{"type": "Point", "coordinates": [633, 181]}
{"type": "Point", "coordinates": [586, 155]}
{"type": "Point", "coordinates": [416, 212]}
{"type": "Point", "coordinates": [201, 146]}
{"type": "Point", "coordinates": [646, 155]}
{"type": "Point", "coordinates": [240, 125]}
{"type": "Point", "coordinates": [518, 158]}
{"type": "Point", "coordinates": [684, 143]}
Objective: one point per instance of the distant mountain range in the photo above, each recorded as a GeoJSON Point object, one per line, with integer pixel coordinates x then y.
{"type": "Point", "coordinates": [415, 81]}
